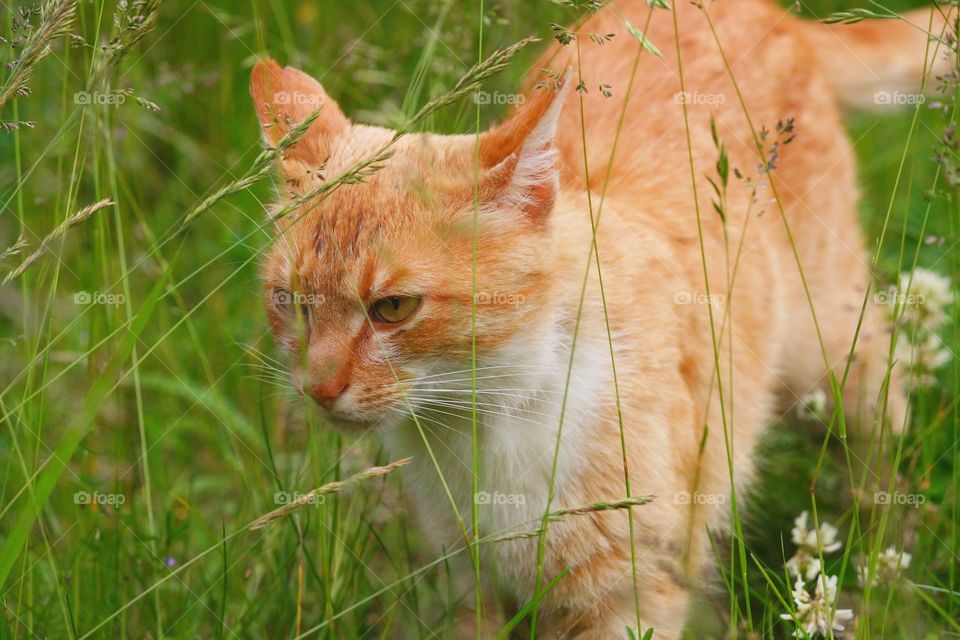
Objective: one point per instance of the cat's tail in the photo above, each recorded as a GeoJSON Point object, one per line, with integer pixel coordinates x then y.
{"type": "Point", "coordinates": [882, 64]}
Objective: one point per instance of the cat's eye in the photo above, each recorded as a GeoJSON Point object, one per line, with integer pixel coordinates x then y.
{"type": "Point", "coordinates": [394, 309]}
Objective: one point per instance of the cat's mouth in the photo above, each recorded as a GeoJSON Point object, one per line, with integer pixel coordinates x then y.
{"type": "Point", "coordinates": [352, 418]}
{"type": "Point", "coordinates": [382, 416]}
{"type": "Point", "coordinates": [348, 422]}
{"type": "Point", "coordinates": [337, 416]}
{"type": "Point", "coordinates": [358, 409]}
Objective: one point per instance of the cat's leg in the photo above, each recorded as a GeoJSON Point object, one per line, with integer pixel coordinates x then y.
{"type": "Point", "coordinates": [598, 597]}
{"type": "Point", "coordinates": [663, 607]}
{"type": "Point", "coordinates": [856, 348]}
{"type": "Point", "coordinates": [855, 340]}
{"type": "Point", "coordinates": [826, 245]}
{"type": "Point", "coordinates": [836, 275]}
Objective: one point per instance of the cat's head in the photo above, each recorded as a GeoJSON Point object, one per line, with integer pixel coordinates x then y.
{"type": "Point", "coordinates": [371, 286]}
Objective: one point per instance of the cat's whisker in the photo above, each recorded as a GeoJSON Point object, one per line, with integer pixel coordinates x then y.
{"type": "Point", "coordinates": [254, 349]}
{"type": "Point", "coordinates": [266, 362]}
{"type": "Point", "coordinates": [427, 405]}
{"type": "Point", "coordinates": [262, 358]}
{"type": "Point", "coordinates": [263, 367]}
{"type": "Point", "coordinates": [279, 373]}
{"type": "Point", "coordinates": [427, 420]}
{"type": "Point", "coordinates": [498, 391]}
{"type": "Point", "coordinates": [512, 367]}
{"type": "Point", "coordinates": [280, 384]}
{"type": "Point", "coordinates": [281, 394]}
{"type": "Point", "coordinates": [467, 383]}
{"type": "Point", "coordinates": [503, 399]}
{"type": "Point", "coordinates": [266, 373]}
{"type": "Point", "coordinates": [469, 379]}
{"type": "Point", "coordinates": [466, 409]}
{"type": "Point", "coordinates": [267, 370]}
{"type": "Point", "coordinates": [274, 377]}
{"type": "Point", "coordinates": [501, 409]}
{"type": "Point", "coordinates": [266, 365]}
{"type": "Point", "coordinates": [276, 384]}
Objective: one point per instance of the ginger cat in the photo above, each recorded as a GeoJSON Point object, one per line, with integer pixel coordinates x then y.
{"type": "Point", "coordinates": [372, 287]}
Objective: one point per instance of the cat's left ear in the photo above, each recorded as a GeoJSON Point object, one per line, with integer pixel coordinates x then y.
{"type": "Point", "coordinates": [284, 97]}
{"type": "Point", "coordinates": [518, 158]}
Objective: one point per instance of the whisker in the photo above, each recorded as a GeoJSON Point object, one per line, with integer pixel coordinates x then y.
{"type": "Point", "coordinates": [427, 419]}
{"type": "Point", "coordinates": [501, 375]}
{"type": "Point", "coordinates": [487, 368]}
{"type": "Point", "coordinates": [487, 413]}
{"type": "Point", "coordinates": [554, 402]}
{"type": "Point", "coordinates": [493, 391]}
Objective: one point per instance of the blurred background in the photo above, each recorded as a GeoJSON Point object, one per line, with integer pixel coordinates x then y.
{"type": "Point", "coordinates": [145, 414]}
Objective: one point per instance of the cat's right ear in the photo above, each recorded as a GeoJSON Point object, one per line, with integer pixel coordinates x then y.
{"type": "Point", "coordinates": [518, 158]}
{"type": "Point", "coordinates": [284, 97]}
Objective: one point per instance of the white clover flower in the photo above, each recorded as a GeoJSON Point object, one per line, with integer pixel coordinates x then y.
{"type": "Point", "coordinates": [923, 296]}
{"type": "Point", "coordinates": [806, 561]}
{"type": "Point", "coordinates": [890, 564]}
{"type": "Point", "coordinates": [803, 536]}
{"type": "Point", "coordinates": [922, 359]}
{"type": "Point", "coordinates": [813, 406]}
{"type": "Point", "coordinates": [817, 615]}
{"type": "Point", "coordinates": [802, 564]}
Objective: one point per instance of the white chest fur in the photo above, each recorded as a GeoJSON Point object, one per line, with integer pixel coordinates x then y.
{"type": "Point", "coordinates": [522, 413]}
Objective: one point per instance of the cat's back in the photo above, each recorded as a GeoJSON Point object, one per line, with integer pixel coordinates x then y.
{"type": "Point", "coordinates": [755, 41]}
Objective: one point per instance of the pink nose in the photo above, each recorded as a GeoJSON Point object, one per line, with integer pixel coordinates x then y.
{"type": "Point", "coordinates": [326, 393]}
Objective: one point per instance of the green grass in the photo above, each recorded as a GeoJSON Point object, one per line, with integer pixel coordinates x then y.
{"type": "Point", "coordinates": [167, 394]}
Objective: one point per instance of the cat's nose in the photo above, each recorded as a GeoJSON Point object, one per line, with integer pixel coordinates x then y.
{"type": "Point", "coordinates": [327, 392]}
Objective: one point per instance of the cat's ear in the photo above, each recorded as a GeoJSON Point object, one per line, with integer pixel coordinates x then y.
{"type": "Point", "coordinates": [518, 158]}
{"type": "Point", "coordinates": [284, 97]}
